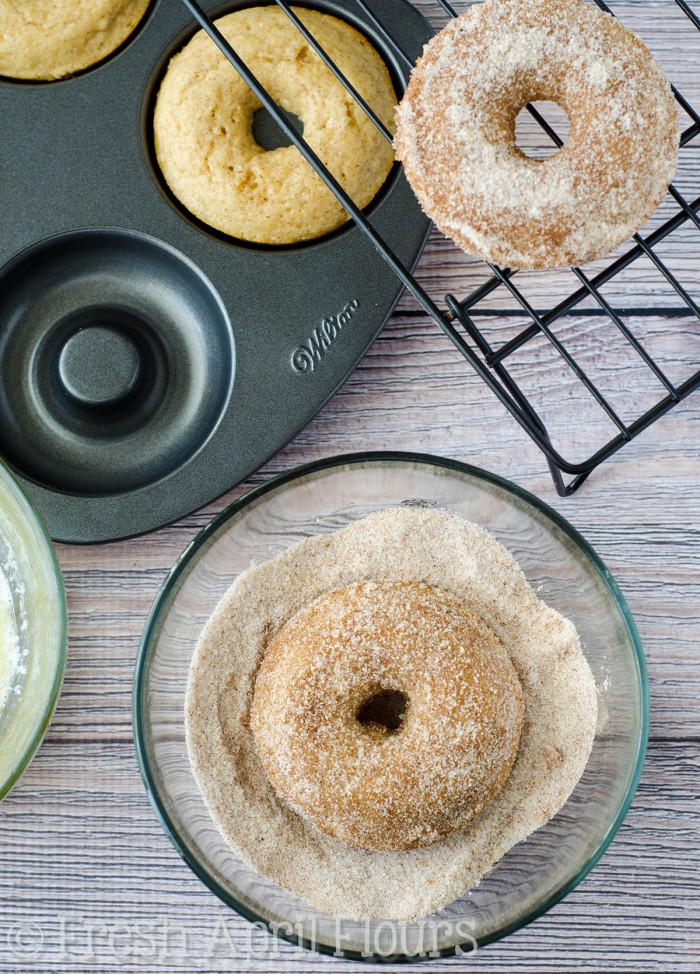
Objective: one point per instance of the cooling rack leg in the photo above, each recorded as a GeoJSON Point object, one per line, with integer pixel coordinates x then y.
{"type": "Point", "coordinates": [564, 490]}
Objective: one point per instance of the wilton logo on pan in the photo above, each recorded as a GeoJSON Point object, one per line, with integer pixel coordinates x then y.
{"type": "Point", "coordinates": [308, 355]}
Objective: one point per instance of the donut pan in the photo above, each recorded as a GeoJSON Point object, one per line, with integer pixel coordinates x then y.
{"type": "Point", "coordinates": [148, 364]}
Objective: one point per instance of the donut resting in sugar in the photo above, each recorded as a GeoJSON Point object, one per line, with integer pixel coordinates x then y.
{"type": "Point", "coordinates": [443, 559]}
{"type": "Point", "coordinates": [396, 780]}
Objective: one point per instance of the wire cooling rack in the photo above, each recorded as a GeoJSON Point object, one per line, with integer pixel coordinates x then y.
{"type": "Point", "coordinates": [492, 358]}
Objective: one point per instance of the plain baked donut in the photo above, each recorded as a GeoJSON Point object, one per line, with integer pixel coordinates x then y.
{"type": "Point", "coordinates": [203, 126]}
{"type": "Point", "coordinates": [331, 734]}
{"type": "Point", "coordinates": [456, 132]}
{"type": "Point", "coordinates": [43, 40]}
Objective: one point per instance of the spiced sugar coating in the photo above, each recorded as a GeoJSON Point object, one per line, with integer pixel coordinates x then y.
{"type": "Point", "coordinates": [363, 783]}
{"type": "Point", "coordinates": [464, 562]}
{"type": "Point", "coordinates": [456, 132]}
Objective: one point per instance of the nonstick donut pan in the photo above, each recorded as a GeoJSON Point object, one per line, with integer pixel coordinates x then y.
{"type": "Point", "coordinates": [147, 364]}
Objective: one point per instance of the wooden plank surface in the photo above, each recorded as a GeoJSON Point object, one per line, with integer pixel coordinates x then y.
{"type": "Point", "coordinates": [88, 880]}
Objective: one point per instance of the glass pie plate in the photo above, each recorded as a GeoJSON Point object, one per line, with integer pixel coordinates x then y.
{"type": "Point", "coordinates": [565, 572]}
{"type": "Point", "coordinates": [33, 631]}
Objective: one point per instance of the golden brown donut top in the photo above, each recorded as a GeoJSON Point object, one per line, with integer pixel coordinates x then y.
{"type": "Point", "coordinates": [329, 685]}
{"type": "Point", "coordinates": [43, 40]}
{"type": "Point", "coordinates": [203, 126]}
{"type": "Point", "coordinates": [456, 132]}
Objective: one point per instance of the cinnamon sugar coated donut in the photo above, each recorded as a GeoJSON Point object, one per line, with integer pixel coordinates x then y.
{"type": "Point", "coordinates": [333, 735]}
{"type": "Point", "coordinates": [456, 132]}
{"type": "Point", "coordinates": [386, 573]}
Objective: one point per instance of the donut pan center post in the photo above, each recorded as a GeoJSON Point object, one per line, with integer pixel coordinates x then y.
{"type": "Point", "coordinates": [147, 362]}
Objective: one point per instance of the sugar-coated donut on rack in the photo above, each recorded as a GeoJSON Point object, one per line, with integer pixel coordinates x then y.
{"type": "Point", "coordinates": [456, 132]}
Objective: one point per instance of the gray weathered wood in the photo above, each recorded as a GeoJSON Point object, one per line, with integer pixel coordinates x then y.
{"type": "Point", "coordinates": [78, 836]}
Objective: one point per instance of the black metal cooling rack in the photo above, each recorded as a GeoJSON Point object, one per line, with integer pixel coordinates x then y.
{"type": "Point", "coordinates": [457, 318]}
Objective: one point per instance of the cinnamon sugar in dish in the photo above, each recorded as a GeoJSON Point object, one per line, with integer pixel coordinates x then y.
{"type": "Point", "coordinates": [428, 548]}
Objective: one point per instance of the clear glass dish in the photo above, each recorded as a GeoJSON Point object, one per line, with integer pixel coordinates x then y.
{"type": "Point", "coordinates": [35, 607]}
{"type": "Point", "coordinates": [564, 571]}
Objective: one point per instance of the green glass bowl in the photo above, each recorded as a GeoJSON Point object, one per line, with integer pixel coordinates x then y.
{"type": "Point", "coordinates": [565, 572]}
{"type": "Point", "coordinates": [38, 606]}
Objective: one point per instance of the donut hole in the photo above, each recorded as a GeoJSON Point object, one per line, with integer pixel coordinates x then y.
{"type": "Point", "coordinates": [532, 140]}
{"type": "Point", "coordinates": [385, 709]}
{"type": "Point", "coordinates": [267, 132]}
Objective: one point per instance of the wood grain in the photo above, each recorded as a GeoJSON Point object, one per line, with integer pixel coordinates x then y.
{"type": "Point", "coordinates": [78, 837]}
